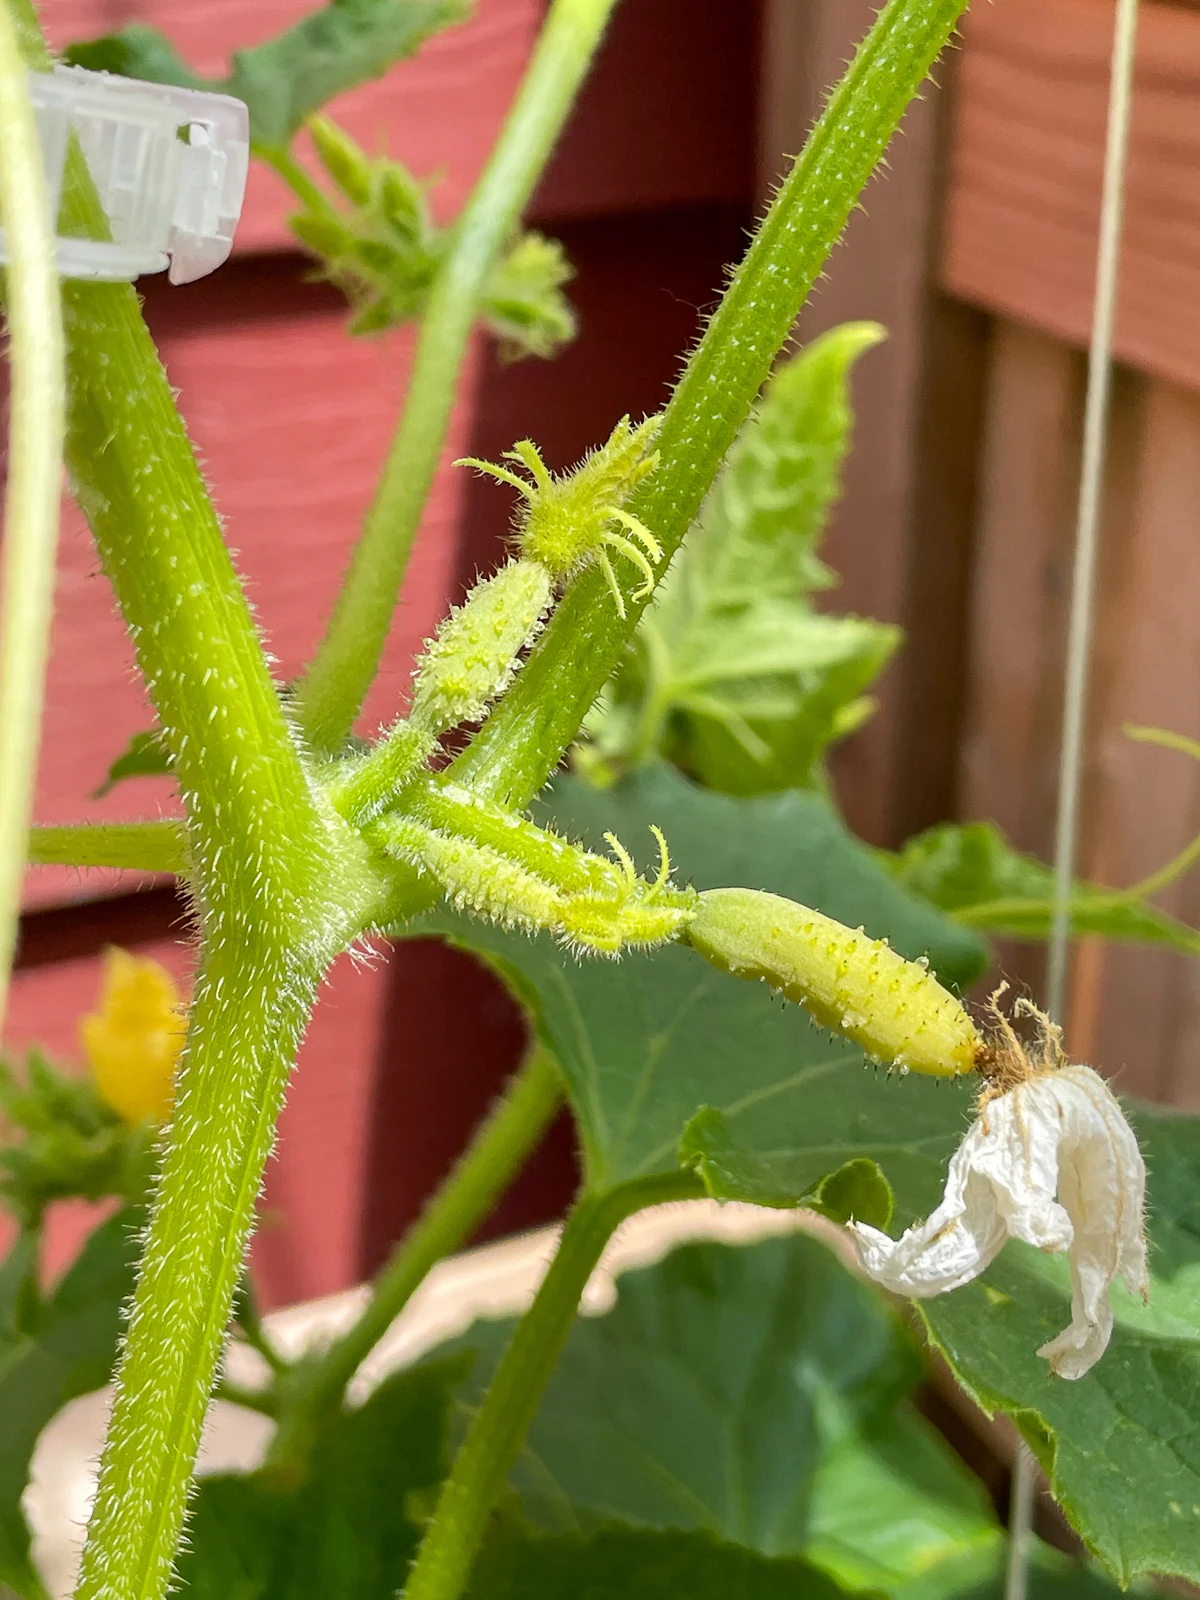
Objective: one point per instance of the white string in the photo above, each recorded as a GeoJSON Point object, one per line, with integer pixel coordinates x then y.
{"type": "Point", "coordinates": [1091, 489]}
{"type": "Point", "coordinates": [1079, 635]}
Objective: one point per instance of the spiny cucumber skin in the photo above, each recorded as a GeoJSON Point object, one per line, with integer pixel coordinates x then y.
{"type": "Point", "coordinates": [472, 658]}
{"type": "Point", "coordinates": [452, 809]}
{"type": "Point", "coordinates": [480, 879]}
{"type": "Point", "coordinates": [894, 1009]}
{"type": "Point", "coordinates": [477, 879]}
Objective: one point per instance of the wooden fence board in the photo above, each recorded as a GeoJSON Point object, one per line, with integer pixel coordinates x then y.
{"type": "Point", "coordinates": [882, 270]}
{"type": "Point", "coordinates": [1024, 192]}
{"type": "Point", "coordinates": [1028, 480]}
{"type": "Point", "coordinates": [1142, 802]}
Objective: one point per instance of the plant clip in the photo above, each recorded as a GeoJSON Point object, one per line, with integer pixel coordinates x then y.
{"type": "Point", "coordinates": [169, 167]}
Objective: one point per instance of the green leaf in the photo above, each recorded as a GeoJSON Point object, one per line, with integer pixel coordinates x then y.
{"type": "Point", "coordinates": [734, 676]}
{"type": "Point", "coordinates": [637, 1564]}
{"type": "Point", "coordinates": [970, 871]}
{"type": "Point", "coordinates": [647, 1042]}
{"type": "Point", "coordinates": [333, 49]}
{"type": "Point", "coordinates": [891, 1505]}
{"type": "Point", "coordinates": [703, 1395]}
{"type": "Point", "coordinates": [145, 756]}
{"type": "Point", "coordinates": [352, 1527]}
{"type": "Point", "coordinates": [1121, 1446]}
{"type": "Point", "coordinates": [858, 1189]}
{"type": "Point", "coordinates": [749, 734]}
{"type": "Point", "coordinates": [135, 51]}
{"type": "Point", "coordinates": [19, 1300]}
{"type": "Point", "coordinates": [979, 1574]}
{"type": "Point", "coordinates": [754, 1395]}
{"type": "Point", "coordinates": [761, 530]}
{"type": "Point", "coordinates": [70, 1353]}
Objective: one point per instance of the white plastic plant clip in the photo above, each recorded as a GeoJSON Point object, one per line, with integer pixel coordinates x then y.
{"type": "Point", "coordinates": [169, 166]}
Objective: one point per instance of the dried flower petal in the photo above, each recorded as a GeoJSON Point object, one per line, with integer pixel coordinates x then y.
{"type": "Point", "coordinates": [1059, 1133]}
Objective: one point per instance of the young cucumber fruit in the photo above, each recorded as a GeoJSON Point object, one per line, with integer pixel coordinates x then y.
{"type": "Point", "coordinates": [895, 1009]}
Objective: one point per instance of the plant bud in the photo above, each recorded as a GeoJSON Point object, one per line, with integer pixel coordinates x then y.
{"type": "Point", "coordinates": [896, 1010]}
{"type": "Point", "coordinates": [342, 159]}
{"type": "Point", "coordinates": [472, 658]}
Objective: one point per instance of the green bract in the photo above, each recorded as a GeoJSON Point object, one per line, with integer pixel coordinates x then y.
{"type": "Point", "coordinates": [579, 519]}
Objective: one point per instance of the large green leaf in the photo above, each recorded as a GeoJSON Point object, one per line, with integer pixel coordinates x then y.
{"type": "Point", "coordinates": [971, 872]}
{"type": "Point", "coordinates": [1121, 1446]}
{"type": "Point", "coordinates": [70, 1352]}
{"type": "Point", "coordinates": [647, 1042]}
{"type": "Point", "coordinates": [734, 676]}
{"type": "Point", "coordinates": [756, 1396]}
{"type": "Point", "coordinates": [352, 1528]}
{"type": "Point", "coordinates": [637, 1564]}
{"type": "Point", "coordinates": [699, 1401]}
{"type": "Point", "coordinates": [344, 43]}
{"type": "Point", "coordinates": [890, 1504]}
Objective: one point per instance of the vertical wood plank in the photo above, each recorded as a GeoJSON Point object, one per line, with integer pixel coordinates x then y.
{"type": "Point", "coordinates": [1131, 1004]}
{"type": "Point", "coordinates": [931, 673]}
{"type": "Point", "coordinates": [882, 271]}
{"type": "Point", "coordinates": [1028, 481]}
{"type": "Point", "coordinates": [1017, 619]}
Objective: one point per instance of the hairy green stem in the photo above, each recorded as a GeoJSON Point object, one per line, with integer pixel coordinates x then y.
{"type": "Point", "coordinates": [444, 1561]}
{"type": "Point", "coordinates": [295, 175]}
{"type": "Point", "coordinates": [497, 1152]}
{"type": "Point", "coordinates": [278, 883]}
{"type": "Point", "coordinates": [128, 846]}
{"type": "Point", "coordinates": [35, 445]}
{"type": "Point", "coordinates": [249, 1012]}
{"type": "Point", "coordinates": [332, 690]}
{"type": "Point", "coordinates": [523, 741]}
{"type": "Point", "coordinates": [361, 789]}
{"type": "Point", "coordinates": [264, 852]}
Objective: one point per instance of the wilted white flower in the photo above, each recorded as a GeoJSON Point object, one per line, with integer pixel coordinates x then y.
{"type": "Point", "coordinates": [1051, 1160]}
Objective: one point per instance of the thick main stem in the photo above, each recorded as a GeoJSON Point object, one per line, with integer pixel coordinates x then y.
{"type": "Point", "coordinates": [332, 690]}
{"type": "Point", "coordinates": [35, 441]}
{"type": "Point", "coordinates": [263, 853]}
{"type": "Point", "coordinates": [280, 885]}
{"type": "Point", "coordinates": [223, 1125]}
{"type": "Point", "coordinates": [502, 1423]}
{"type": "Point", "coordinates": [496, 1154]}
{"type": "Point", "coordinates": [525, 737]}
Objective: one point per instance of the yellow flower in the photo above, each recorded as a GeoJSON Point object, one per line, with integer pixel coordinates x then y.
{"type": "Point", "coordinates": [134, 1041]}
